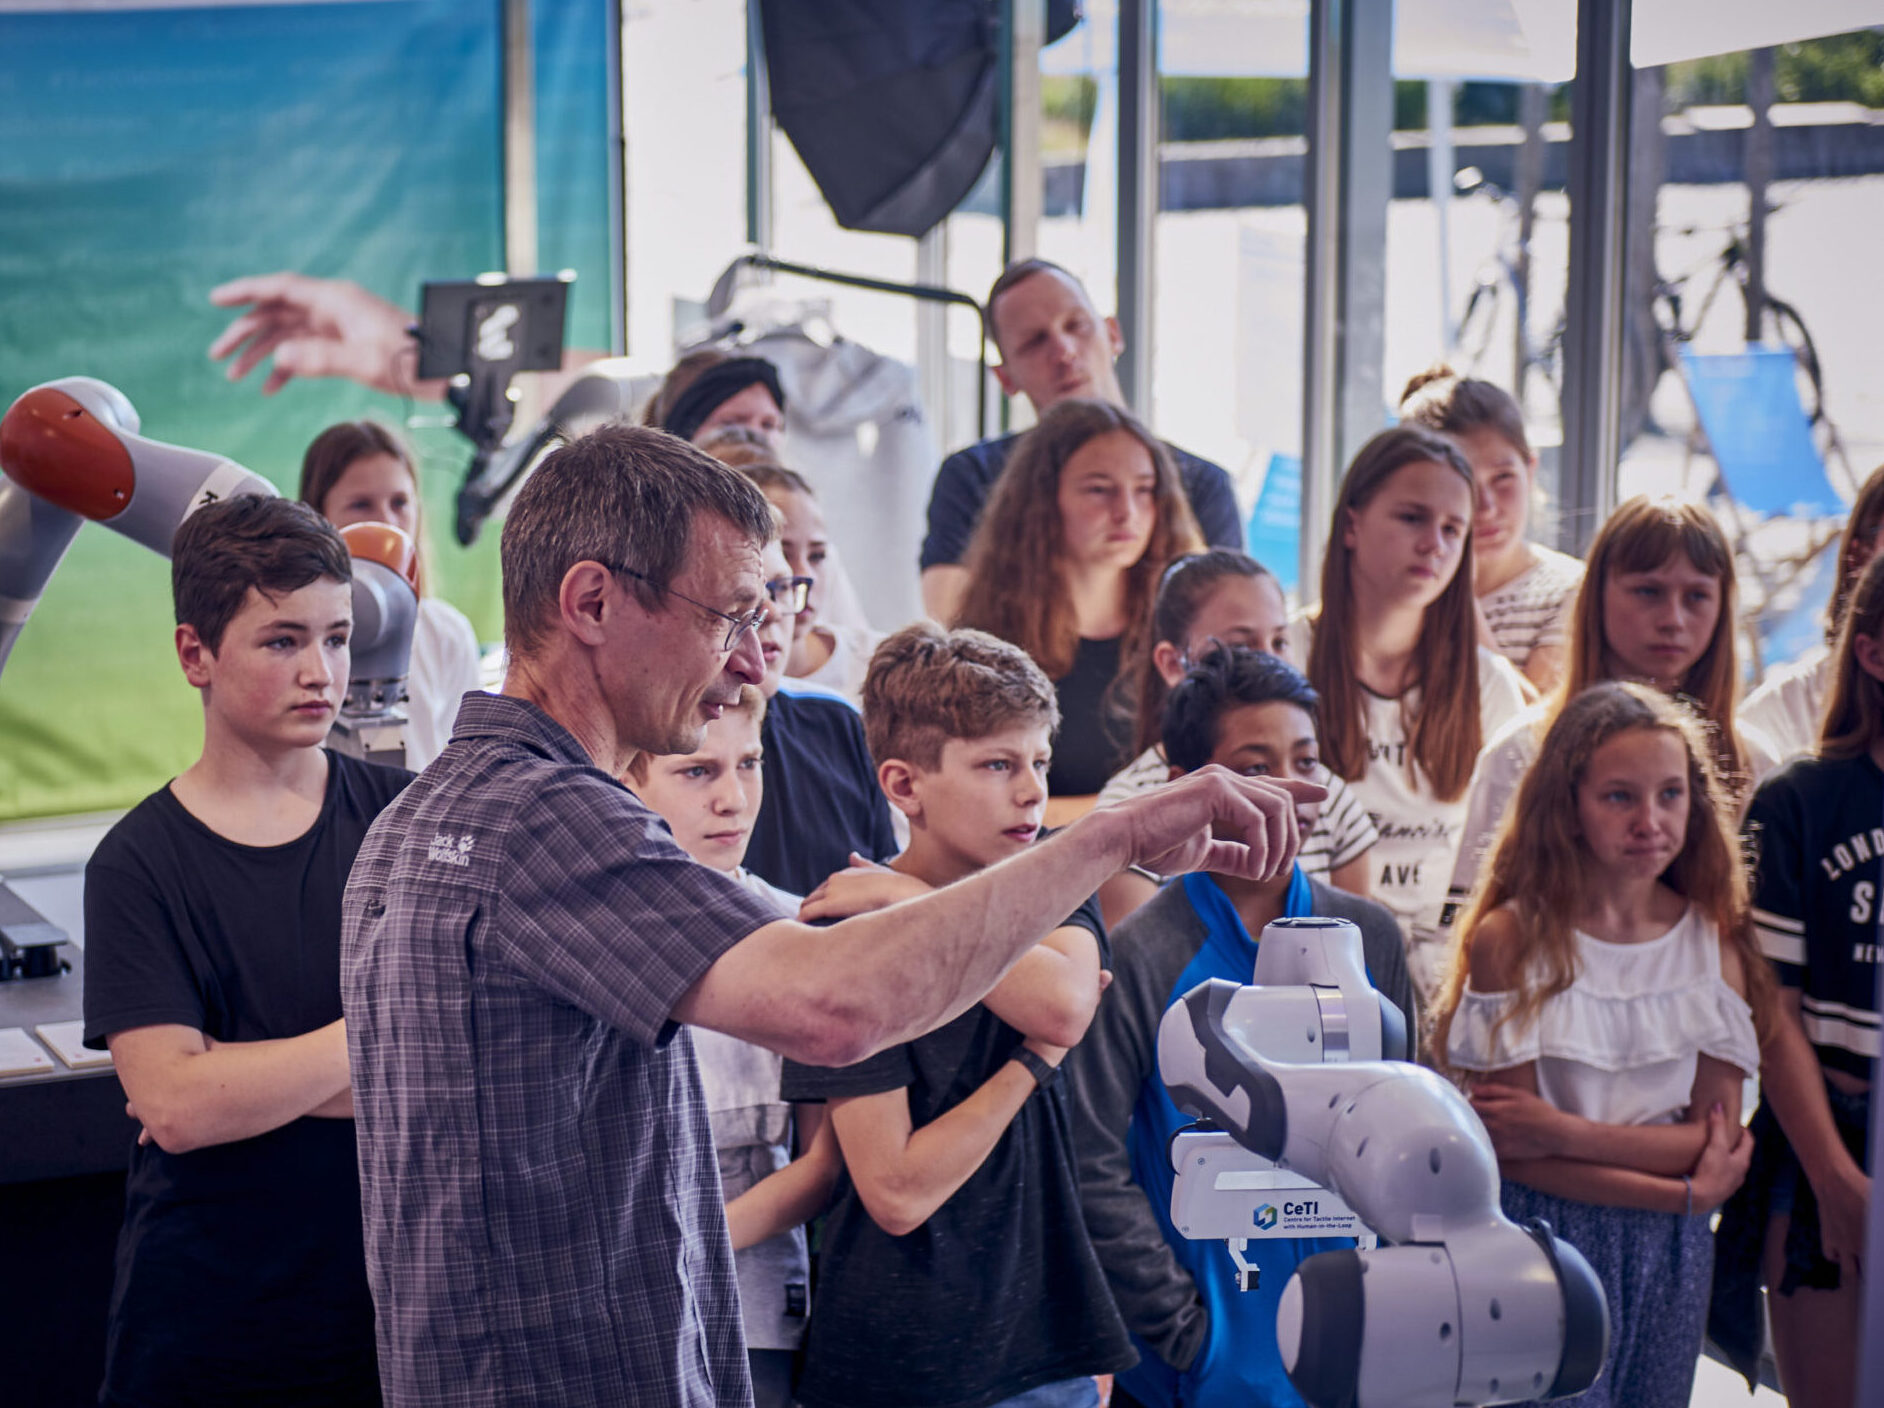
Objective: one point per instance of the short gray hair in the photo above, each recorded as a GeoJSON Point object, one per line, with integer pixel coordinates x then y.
{"type": "Point", "coordinates": [622, 495]}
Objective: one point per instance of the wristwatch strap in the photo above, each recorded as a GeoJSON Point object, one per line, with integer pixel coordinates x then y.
{"type": "Point", "coordinates": [1037, 1067]}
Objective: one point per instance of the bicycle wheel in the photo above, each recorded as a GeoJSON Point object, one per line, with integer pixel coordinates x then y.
{"type": "Point", "coordinates": [1781, 325]}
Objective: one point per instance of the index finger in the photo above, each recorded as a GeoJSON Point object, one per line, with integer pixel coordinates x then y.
{"type": "Point", "coordinates": [253, 287]}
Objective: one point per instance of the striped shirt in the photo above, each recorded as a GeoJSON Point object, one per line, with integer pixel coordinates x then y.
{"type": "Point", "coordinates": [1818, 829]}
{"type": "Point", "coordinates": [1343, 832]}
{"type": "Point", "coordinates": [1533, 608]}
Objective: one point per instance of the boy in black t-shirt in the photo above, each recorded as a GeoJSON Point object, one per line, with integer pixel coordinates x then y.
{"type": "Point", "coordinates": [212, 972]}
{"type": "Point", "coordinates": [955, 1268]}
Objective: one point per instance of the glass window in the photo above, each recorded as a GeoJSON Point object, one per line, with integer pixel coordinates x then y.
{"type": "Point", "coordinates": [1751, 366]}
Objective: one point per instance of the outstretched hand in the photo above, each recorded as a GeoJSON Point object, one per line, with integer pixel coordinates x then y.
{"type": "Point", "coordinates": [316, 327]}
{"type": "Point", "coordinates": [1216, 820]}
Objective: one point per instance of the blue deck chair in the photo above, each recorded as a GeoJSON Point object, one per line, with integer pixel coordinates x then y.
{"type": "Point", "coordinates": [1274, 531]}
{"type": "Point", "coordinates": [1768, 466]}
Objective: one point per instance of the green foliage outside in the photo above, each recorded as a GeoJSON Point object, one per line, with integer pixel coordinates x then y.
{"type": "Point", "coordinates": [1843, 67]}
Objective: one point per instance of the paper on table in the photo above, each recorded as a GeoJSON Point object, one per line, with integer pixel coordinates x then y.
{"type": "Point", "coordinates": [67, 1040]}
{"type": "Point", "coordinates": [20, 1055]}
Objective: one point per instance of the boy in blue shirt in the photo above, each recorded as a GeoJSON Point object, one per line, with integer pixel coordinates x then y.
{"type": "Point", "coordinates": [1202, 1342]}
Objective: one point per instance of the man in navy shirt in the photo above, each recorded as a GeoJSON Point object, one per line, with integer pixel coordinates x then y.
{"type": "Point", "coordinates": [1054, 346]}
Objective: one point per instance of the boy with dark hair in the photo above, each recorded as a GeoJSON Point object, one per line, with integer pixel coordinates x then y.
{"type": "Point", "coordinates": [955, 1268]}
{"type": "Point", "coordinates": [1202, 1342]}
{"type": "Point", "coordinates": [212, 973]}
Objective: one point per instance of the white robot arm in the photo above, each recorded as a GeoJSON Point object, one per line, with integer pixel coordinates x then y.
{"type": "Point", "coordinates": [1467, 1307]}
{"type": "Point", "coordinates": [70, 451]}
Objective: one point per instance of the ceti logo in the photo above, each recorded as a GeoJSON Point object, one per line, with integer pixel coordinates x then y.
{"type": "Point", "coordinates": [1266, 1216]}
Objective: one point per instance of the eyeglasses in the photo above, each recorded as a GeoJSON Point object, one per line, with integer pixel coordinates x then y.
{"type": "Point", "coordinates": [790, 594]}
{"type": "Point", "coordinates": [736, 626]}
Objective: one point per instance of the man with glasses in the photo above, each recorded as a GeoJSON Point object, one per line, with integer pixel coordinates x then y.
{"type": "Point", "coordinates": [522, 939]}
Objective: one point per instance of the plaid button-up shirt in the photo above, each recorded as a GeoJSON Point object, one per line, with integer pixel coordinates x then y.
{"type": "Point", "coordinates": [542, 1203]}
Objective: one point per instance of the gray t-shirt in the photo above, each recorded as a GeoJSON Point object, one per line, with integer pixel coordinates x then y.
{"type": "Point", "coordinates": [542, 1205]}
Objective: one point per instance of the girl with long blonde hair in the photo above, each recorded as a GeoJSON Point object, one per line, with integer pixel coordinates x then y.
{"type": "Point", "coordinates": [1604, 1002]}
{"type": "Point", "coordinates": [1408, 695]}
{"type": "Point", "coordinates": [1065, 561]}
{"type": "Point", "coordinates": [1658, 606]}
{"type": "Point", "coordinates": [1798, 1226]}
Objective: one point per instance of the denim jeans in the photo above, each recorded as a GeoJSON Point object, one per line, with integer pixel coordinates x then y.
{"type": "Point", "coordinates": [1067, 1393]}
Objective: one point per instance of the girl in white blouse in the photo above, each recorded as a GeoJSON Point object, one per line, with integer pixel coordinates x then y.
{"type": "Point", "coordinates": [1603, 997]}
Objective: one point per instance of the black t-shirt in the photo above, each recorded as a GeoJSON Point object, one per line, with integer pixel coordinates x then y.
{"type": "Point", "coordinates": [1817, 827]}
{"type": "Point", "coordinates": [821, 796]}
{"type": "Point", "coordinates": [1000, 1290]}
{"type": "Point", "coordinates": [1094, 740]}
{"type": "Point", "coordinates": [241, 1270]}
{"type": "Point", "coordinates": [966, 478]}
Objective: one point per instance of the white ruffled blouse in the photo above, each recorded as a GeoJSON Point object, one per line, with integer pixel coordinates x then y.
{"type": "Point", "coordinates": [1620, 1045]}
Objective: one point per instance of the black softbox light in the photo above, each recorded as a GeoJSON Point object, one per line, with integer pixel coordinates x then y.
{"type": "Point", "coordinates": [893, 105]}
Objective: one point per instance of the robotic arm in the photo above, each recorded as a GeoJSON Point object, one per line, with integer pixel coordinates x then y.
{"type": "Point", "coordinates": [1465, 1307]}
{"type": "Point", "coordinates": [70, 451]}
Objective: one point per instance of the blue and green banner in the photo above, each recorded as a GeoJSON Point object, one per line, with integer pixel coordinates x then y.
{"type": "Point", "coordinates": [149, 154]}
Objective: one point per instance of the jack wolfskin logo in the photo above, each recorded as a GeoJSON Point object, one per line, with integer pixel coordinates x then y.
{"type": "Point", "coordinates": [450, 850]}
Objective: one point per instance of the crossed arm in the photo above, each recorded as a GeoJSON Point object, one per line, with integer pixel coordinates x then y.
{"type": "Point", "coordinates": [190, 1091]}
{"type": "Point", "coordinates": [904, 1174]}
{"type": "Point", "coordinates": [1691, 1166]}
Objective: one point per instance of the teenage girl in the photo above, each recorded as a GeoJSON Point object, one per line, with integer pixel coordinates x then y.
{"type": "Point", "coordinates": [360, 472]}
{"type": "Point", "coordinates": [1524, 590]}
{"type": "Point", "coordinates": [1790, 701]}
{"type": "Point", "coordinates": [1408, 694]}
{"type": "Point", "coordinates": [1656, 606]}
{"type": "Point", "coordinates": [1223, 597]}
{"type": "Point", "coordinates": [835, 656]}
{"type": "Point", "coordinates": [1065, 562]}
{"type": "Point", "coordinates": [1603, 996]}
{"type": "Point", "coordinates": [1817, 826]}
